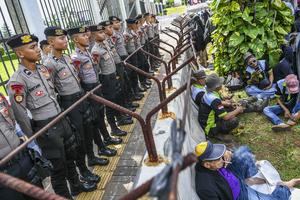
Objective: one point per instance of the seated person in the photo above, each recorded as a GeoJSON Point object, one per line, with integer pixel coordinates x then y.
{"type": "Point", "coordinates": [287, 93]}
{"type": "Point", "coordinates": [259, 78]}
{"type": "Point", "coordinates": [223, 176]}
{"type": "Point", "coordinates": [212, 115]}
{"type": "Point", "coordinates": [198, 88]}
{"type": "Point", "coordinates": [284, 67]}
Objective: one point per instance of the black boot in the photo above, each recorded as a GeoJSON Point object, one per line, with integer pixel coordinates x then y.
{"type": "Point", "coordinates": [135, 105]}
{"type": "Point", "coordinates": [138, 96]}
{"type": "Point", "coordinates": [144, 85]}
{"type": "Point", "coordinates": [139, 89]}
{"type": "Point", "coordinates": [107, 152]}
{"type": "Point", "coordinates": [118, 132]}
{"type": "Point", "coordinates": [82, 187]}
{"type": "Point", "coordinates": [148, 82]}
{"type": "Point", "coordinates": [124, 122]}
{"type": "Point", "coordinates": [112, 140]}
{"type": "Point", "coordinates": [132, 109]}
{"type": "Point", "coordinates": [88, 176]}
{"type": "Point", "coordinates": [97, 161]}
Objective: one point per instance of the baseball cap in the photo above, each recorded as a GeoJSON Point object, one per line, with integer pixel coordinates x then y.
{"type": "Point", "coordinates": [213, 81]}
{"type": "Point", "coordinates": [207, 151]}
{"type": "Point", "coordinates": [199, 74]}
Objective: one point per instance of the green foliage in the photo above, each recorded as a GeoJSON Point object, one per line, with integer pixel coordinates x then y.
{"type": "Point", "coordinates": [243, 26]}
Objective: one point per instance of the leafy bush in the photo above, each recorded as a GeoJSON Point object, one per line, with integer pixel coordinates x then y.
{"type": "Point", "coordinates": [242, 26]}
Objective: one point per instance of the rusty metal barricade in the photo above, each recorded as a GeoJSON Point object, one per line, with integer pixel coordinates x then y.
{"type": "Point", "coordinates": [145, 187]}
{"type": "Point", "coordinates": [29, 189]}
{"type": "Point", "coordinates": [38, 193]}
{"type": "Point", "coordinates": [188, 160]}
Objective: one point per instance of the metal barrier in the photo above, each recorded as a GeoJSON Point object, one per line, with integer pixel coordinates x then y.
{"type": "Point", "coordinates": [140, 191]}
{"type": "Point", "coordinates": [67, 14]}
{"type": "Point", "coordinates": [188, 160]}
{"type": "Point", "coordinates": [28, 189]}
{"type": "Point", "coordinates": [38, 193]}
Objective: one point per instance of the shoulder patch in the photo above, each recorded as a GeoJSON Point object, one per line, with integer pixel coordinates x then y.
{"type": "Point", "coordinates": [18, 90]}
{"type": "Point", "coordinates": [27, 72]}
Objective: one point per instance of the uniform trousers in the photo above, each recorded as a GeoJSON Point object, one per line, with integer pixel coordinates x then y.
{"type": "Point", "coordinates": [98, 122]}
{"type": "Point", "coordinates": [58, 145]}
{"type": "Point", "coordinates": [76, 120]}
{"type": "Point", "coordinates": [18, 167]}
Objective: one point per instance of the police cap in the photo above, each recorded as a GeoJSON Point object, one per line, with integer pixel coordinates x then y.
{"type": "Point", "coordinates": [54, 31]}
{"type": "Point", "coordinates": [77, 30]}
{"type": "Point", "coordinates": [105, 23]}
{"type": "Point", "coordinates": [21, 39]}
{"type": "Point", "coordinates": [95, 28]}
{"type": "Point", "coordinates": [114, 18]}
{"type": "Point", "coordinates": [130, 21]}
{"type": "Point", "coordinates": [138, 17]}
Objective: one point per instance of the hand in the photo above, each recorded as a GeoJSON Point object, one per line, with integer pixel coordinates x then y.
{"type": "Point", "coordinates": [268, 87]}
{"type": "Point", "coordinates": [227, 103]}
{"type": "Point", "coordinates": [287, 114]}
{"type": "Point", "coordinates": [240, 109]}
{"type": "Point", "coordinates": [227, 157]}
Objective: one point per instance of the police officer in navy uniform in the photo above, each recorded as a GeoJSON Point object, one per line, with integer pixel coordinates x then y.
{"type": "Point", "coordinates": [102, 55]}
{"type": "Point", "coordinates": [143, 58]}
{"type": "Point", "coordinates": [31, 88]}
{"type": "Point", "coordinates": [118, 61]}
{"type": "Point", "coordinates": [67, 85]}
{"type": "Point", "coordinates": [119, 43]}
{"type": "Point", "coordinates": [89, 79]}
{"type": "Point", "coordinates": [21, 165]}
{"type": "Point", "coordinates": [131, 44]}
{"type": "Point", "coordinates": [155, 24]}
{"type": "Point", "coordinates": [151, 34]}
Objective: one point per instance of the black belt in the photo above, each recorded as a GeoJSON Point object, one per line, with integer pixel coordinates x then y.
{"type": "Point", "coordinates": [71, 97]}
{"type": "Point", "coordinates": [14, 160]}
{"type": "Point", "coordinates": [89, 86]}
{"type": "Point", "coordinates": [40, 123]}
{"type": "Point", "coordinates": [108, 75]}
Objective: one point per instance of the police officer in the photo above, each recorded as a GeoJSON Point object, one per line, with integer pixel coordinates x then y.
{"type": "Point", "coordinates": [119, 66]}
{"type": "Point", "coordinates": [31, 88]}
{"type": "Point", "coordinates": [89, 78]}
{"type": "Point", "coordinates": [119, 42]}
{"type": "Point", "coordinates": [151, 34]}
{"type": "Point", "coordinates": [66, 82]}
{"type": "Point", "coordinates": [155, 24]}
{"type": "Point", "coordinates": [21, 165]}
{"type": "Point", "coordinates": [105, 62]}
{"type": "Point", "coordinates": [142, 57]}
{"type": "Point", "coordinates": [131, 43]}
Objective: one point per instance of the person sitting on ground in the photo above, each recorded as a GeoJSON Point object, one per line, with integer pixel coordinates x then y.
{"type": "Point", "coordinates": [287, 94]}
{"type": "Point", "coordinates": [284, 67]}
{"type": "Point", "coordinates": [259, 77]}
{"type": "Point", "coordinates": [198, 88]}
{"type": "Point", "coordinates": [212, 115]}
{"type": "Point", "coordinates": [223, 175]}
